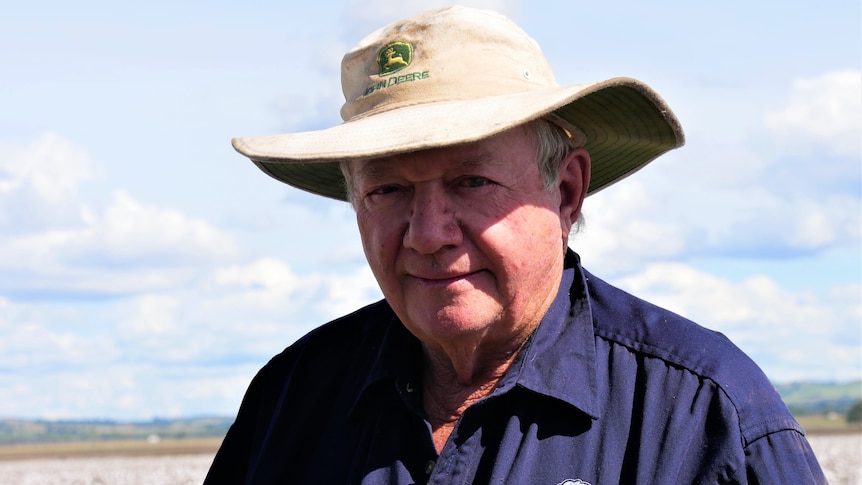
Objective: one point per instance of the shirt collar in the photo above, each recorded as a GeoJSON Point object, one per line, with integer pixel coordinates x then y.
{"type": "Point", "coordinates": [559, 360]}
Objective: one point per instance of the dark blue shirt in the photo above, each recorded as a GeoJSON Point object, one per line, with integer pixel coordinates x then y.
{"type": "Point", "coordinates": [609, 389]}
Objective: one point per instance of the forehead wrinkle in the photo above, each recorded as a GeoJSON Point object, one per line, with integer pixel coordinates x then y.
{"type": "Point", "coordinates": [375, 169]}
{"type": "Point", "coordinates": [370, 170]}
{"type": "Point", "coordinates": [476, 161]}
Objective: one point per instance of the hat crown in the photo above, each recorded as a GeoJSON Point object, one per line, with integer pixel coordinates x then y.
{"type": "Point", "coordinates": [449, 54]}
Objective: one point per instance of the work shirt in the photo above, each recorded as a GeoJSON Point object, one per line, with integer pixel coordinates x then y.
{"type": "Point", "coordinates": [609, 389]}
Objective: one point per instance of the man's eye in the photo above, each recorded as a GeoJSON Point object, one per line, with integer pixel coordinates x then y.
{"type": "Point", "coordinates": [474, 182]}
{"type": "Point", "coordinates": [384, 190]}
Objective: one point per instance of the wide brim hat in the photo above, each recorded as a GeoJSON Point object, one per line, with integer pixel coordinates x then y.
{"type": "Point", "coordinates": [458, 75]}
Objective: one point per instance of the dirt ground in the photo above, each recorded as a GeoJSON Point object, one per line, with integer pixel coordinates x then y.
{"type": "Point", "coordinates": [110, 449]}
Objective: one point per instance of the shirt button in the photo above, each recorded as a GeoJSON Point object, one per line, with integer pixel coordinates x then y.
{"type": "Point", "coordinates": [429, 467]}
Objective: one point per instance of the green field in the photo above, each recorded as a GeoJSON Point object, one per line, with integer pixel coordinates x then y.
{"type": "Point", "coordinates": [804, 398]}
{"type": "Point", "coordinates": [822, 407]}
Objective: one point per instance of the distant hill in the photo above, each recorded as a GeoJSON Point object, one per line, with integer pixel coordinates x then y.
{"type": "Point", "coordinates": [14, 431]}
{"type": "Point", "coordinates": [806, 398]}
{"type": "Point", "coordinates": [803, 399]}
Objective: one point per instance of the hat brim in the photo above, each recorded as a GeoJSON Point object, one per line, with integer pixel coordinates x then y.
{"type": "Point", "coordinates": [626, 124]}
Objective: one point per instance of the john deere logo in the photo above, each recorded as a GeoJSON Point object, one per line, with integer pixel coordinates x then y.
{"type": "Point", "coordinates": [394, 57]}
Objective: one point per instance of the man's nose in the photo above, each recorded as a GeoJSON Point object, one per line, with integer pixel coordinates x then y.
{"type": "Point", "coordinates": [432, 223]}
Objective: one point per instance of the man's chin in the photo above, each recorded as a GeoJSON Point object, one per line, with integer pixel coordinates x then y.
{"type": "Point", "coordinates": [452, 323]}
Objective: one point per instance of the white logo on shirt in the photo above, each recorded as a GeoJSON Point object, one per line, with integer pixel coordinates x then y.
{"type": "Point", "coordinates": [573, 482]}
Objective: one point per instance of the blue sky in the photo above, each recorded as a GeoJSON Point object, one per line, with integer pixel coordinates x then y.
{"type": "Point", "coordinates": [146, 269]}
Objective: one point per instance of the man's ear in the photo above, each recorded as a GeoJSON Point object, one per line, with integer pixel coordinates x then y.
{"type": "Point", "coordinates": [574, 182]}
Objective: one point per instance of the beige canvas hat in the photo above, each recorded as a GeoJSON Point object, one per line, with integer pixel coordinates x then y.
{"type": "Point", "coordinates": [457, 75]}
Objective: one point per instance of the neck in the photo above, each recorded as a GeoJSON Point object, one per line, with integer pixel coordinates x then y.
{"type": "Point", "coordinates": [468, 365]}
{"type": "Point", "coordinates": [455, 379]}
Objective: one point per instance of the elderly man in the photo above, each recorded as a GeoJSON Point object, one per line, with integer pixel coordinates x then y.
{"type": "Point", "coordinates": [495, 357]}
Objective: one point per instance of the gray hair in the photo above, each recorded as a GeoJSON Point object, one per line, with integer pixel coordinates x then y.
{"type": "Point", "coordinates": [552, 146]}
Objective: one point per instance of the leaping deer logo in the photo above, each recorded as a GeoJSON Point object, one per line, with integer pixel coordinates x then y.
{"type": "Point", "coordinates": [394, 57]}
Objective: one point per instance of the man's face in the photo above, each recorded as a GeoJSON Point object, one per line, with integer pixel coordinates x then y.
{"type": "Point", "coordinates": [464, 241]}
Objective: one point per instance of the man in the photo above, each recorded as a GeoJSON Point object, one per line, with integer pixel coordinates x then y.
{"type": "Point", "coordinates": [495, 357]}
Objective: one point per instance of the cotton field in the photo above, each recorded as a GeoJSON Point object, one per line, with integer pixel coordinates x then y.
{"type": "Point", "coordinates": [115, 470]}
{"type": "Point", "coordinates": [839, 454]}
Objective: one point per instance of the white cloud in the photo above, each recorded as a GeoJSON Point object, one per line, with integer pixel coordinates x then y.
{"type": "Point", "coordinates": [154, 316]}
{"type": "Point", "coordinates": [40, 182]}
{"type": "Point", "coordinates": [791, 334]}
{"type": "Point", "coordinates": [51, 167]}
{"type": "Point", "coordinates": [54, 241]}
{"type": "Point", "coordinates": [36, 340]}
{"type": "Point", "coordinates": [348, 292]}
{"type": "Point", "coordinates": [758, 223]}
{"type": "Point", "coordinates": [825, 223]}
{"type": "Point", "coordinates": [621, 229]}
{"type": "Point", "coordinates": [239, 312]}
{"type": "Point", "coordinates": [268, 292]}
{"type": "Point", "coordinates": [265, 282]}
{"type": "Point", "coordinates": [826, 110]}
{"type": "Point", "coordinates": [129, 231]}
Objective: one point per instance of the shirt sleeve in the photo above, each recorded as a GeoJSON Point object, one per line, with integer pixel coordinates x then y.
{"type": "Point", "coordinates": [241, 445]}
{"type": "Point", "coordinates": [782, 457]}
{"type": "Point", "coordinates": [232, 459]}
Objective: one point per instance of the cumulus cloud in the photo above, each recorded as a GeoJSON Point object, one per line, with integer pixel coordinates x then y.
{"type": "Point", "coordinates": [787, 332]}
{"type": "Point", "coordinates": [54, 240]}
{"type": "Point", "coordinates": [125, 232]}
{"type": "Point", "coordinates": [39, 338]}
{"type": "Point", "coordinates": [129, 231]}
{"type": "Point", "coordinates": [39, 183]}
{"type": "Point", "coordinates": [622, 229]}
{"type": "Point", "coordinates": [772, 226]}
{"type": "Point", "coordinates": [265, 282]}
{"type": "Point", "coordinates": [238, 313]}
{"type": "Point", "coordinates": [826, 110]}
{"type": "Point", "coordinates": [268, 290]}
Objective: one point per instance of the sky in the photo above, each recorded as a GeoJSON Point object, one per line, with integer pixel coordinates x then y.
{"type": "Point", "coordinates": [148, 270]}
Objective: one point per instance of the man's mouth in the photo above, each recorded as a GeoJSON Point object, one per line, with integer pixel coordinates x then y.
{"type": "Point", "coordinates": [444, 280]}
